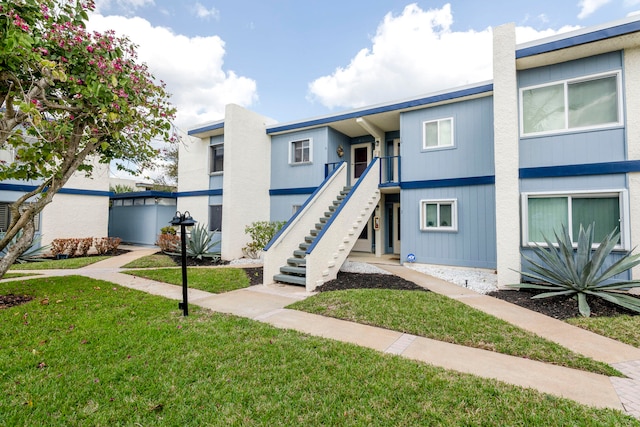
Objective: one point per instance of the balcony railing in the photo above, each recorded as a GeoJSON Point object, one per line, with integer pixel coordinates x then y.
{"type": "Point", "coordinates": [389, 170]}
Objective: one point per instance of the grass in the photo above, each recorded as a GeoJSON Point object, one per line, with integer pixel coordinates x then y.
{"type": "Point", "coordinates": [99, 354]}
{"type": "Point", "coordinates": [625, 329]}
{"type": "Point", "coordinates": [152, 261]}
{"type": "Point", "coordinates": [431, 315]}
{"type": "Point", "coordinates": [59, 264]}
{"type": "Point", "coordinates": [215, 280]}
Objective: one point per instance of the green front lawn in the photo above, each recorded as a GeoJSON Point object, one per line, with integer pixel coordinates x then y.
{"type": "Point", "coordinates": [431, 315]}
{"type": "Point", "coordinates": [59, 264]}
{"type": "Point", "coordinates": [625, 329]}
{"type": "Point", "coordinates": [100, 354]}
{"type": "Point", "coordinates": [152, 261]}
{"type": "Point", "coordinates": [215, 280]}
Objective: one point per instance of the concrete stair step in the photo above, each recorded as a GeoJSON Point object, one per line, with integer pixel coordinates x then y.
{"type": "Point", "coordinates": [292, 280]}
{"type": "Point", "coordinates": [298, 271]}
{"type": "Point", "coordinates": [296, 261]}
{"type": "Point", "coordinates": [309, 239]}
{"type": "Point", "coordinates": [304, 246]}
{"type": "Point", "coordinates": [299, 253]}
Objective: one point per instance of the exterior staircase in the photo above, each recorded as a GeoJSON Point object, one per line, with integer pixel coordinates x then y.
{"type": "Point", "coordinates": [295, 271]}
{"type": "Point", "coordinates": [316, 241]}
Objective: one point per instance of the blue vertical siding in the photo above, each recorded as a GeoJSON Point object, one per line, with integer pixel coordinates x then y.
{"type": "Point", "coordinates": [472, 154]}
{"type": "Point", "coordinates": [473, 245]}
{"type": "Point", "coordinates": [572, 69]}
{"type": "Point", "coordinates": [285, 175]}
{"type": "Point", "coordinates": [282, 206]}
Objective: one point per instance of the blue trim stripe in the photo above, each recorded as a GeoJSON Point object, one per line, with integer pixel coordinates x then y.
{"type": "Point", "coordinates": [299, 211]}
{"type": "Point", "coordinates": [451, 182]}
{"type": "Point", "coordinates": [591, 37]}
{"type": "Point", "coordinates": [385, 108]}
{"type": "Point", "coordinates": [292, 191]}
{"type": "Point", "coordinates": [24, 188]}
{"type": "Point", "coordinates": [214, 192]}
{"type": "Point", "coordinates": [215, 126]}
{"type": "Point", "coordinates": [581, 170]}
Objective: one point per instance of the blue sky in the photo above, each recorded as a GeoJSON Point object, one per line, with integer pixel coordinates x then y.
{"type": "Point", "coordinates": [294, 59]}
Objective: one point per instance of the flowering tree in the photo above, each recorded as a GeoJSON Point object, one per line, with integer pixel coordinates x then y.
{"type": "Point", "coordinates": [68, 97]}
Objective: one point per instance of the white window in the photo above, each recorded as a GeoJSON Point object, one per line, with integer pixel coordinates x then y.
{"type": "Point", "coordinates": [216, 158]}
{"type": "Point", "coordinates": [437, 133]}
{"type": "Point", "coordinates": [300, 151]}
{"type": "Point", "coordinates": [295, 208]}
{"type": "Point", "coordinates": [439, 215]}
{"type": "Point", "coordinates": [544, 214]}
{"type": "Point", "coordinates": [571, 104]}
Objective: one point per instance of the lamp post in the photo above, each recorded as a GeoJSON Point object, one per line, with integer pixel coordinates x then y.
{"type": "Point", "coordinates": [183, 220]}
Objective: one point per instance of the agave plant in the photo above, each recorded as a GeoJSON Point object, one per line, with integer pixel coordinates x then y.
{"type": "Point", "coordinates": [562, 271]}
{"type": "Point", "coordinates": [201, 243]}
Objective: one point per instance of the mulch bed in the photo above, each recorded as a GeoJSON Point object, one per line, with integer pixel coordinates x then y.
{"type": "Point", "coordinates": [560, 307]}
{"type": "Point", "coordinates": [11, 300]}
{"type": "Point", "coordinates": [368, 281]}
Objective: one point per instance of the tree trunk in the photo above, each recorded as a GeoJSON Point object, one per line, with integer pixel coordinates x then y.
{"type": "Point", "coordinates": [22, 243]}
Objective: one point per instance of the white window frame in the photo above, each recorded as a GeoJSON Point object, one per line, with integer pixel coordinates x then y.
{"type": "Point", "coordinates": [295, 209]}
{"type": "Point", "coordinates": [439, 146]}
{"type": "Point", "coordinates": [292, 152]}
{"type": "Point", "coordinates": [623, 200]}
{"type": "Point", "coordinates": [212, 148]}
{"type": "Point", "coordinates": [566, 84]}
{"type": "Point", "coordinates": [437, 227]}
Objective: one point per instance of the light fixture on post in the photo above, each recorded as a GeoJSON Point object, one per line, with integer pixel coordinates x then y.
{"type": "Point", "coordinates": [184, 220]}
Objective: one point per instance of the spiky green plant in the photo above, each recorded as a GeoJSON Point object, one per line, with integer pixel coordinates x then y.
{"type": "Point", "coordinates": [563, 271]}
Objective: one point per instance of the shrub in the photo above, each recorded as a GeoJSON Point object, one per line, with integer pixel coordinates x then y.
{"type": "Point", "coordinates": [168, 230]}
{"type": "Point", "coordinates": [168, 242]}
{"type": "Point", "coordinates": [106, 245]}
{"type": "Point", "coordinates": [563, 272]}
{"type": "Point", "coordinates": [261, 233]}
{"type": "Point", "coordinates": [58, 246]}
{"type": "Point", "coordinates": [84, 245]}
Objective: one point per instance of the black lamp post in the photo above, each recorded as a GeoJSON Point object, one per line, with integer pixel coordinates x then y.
{"type": "Point", "coordinates": [183, 220]}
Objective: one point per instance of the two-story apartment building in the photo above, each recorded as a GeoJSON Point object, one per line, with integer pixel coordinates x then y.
{"type": "Point", "coordinates": [472, 176]}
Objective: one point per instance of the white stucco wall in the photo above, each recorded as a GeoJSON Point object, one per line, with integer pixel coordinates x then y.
{"type": "Point", "coordinates": [247, 177]}
{"type": "Point", "coordinates": [193, 167]}
{"type": "Point", "coordinates": [505, 109]}
{"type": "Point", "coordinates": [632, 112]}
{"type": "Point", "coordinates": [70, 215]}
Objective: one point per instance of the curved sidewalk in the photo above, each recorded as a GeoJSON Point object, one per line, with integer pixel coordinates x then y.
{"type": "Point", "coordinates": [267, 304]}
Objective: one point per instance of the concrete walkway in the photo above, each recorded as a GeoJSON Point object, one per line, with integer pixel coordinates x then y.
{"type": "Point", "coordinates": [267, 304]}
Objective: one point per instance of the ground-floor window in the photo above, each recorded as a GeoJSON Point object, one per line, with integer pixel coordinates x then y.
{"type": "Point", "coordinates": [5, 217]}
{"type": "Point", "coordinates": [215, 218]}
{"type": "Point", "coordinates": [545, 214]}
{"type": "Point", "coordinates": [439, 215]}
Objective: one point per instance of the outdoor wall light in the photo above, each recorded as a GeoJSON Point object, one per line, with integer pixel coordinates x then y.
{"type": "Point", "coordinates": [184, 220]}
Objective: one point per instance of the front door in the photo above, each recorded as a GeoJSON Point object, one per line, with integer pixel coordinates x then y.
{"type": "Point", "coordinates": [360, 158]}
{"type": "Point", "coordinates": [392, 228]}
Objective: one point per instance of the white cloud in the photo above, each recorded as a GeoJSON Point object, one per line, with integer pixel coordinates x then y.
{"type": "Point", "coordinates": [587, 7]}
{"type": "Point", "coordinates": [192, 68]}
{"type": "Point", "coordinates": [103, 5]}
{"type": "Point", "coordinates": [204, 13]}
{"type": "Point", "coordinates": [411, 54]}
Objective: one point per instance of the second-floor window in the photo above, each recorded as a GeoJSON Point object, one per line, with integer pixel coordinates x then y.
{"type": "Point", "coordinates": [571, 104]}
{"type": "Point", "coordinates": [216, 160]}
{"type": "Point", "coordinates": [300, 151]}
{"type": "Point", "coordinates": [437, 134]}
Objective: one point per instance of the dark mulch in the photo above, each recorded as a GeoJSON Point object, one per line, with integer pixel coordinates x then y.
{"type": "Point", "coordinates": [368, 281]}
{"type": "Point", "coordinates": [194, 262]}
{"type": "Point", "coordinates": [11, 300]}
{"type": "Point", "coordinates": [560, 307]}
{"type": "Point", "coordinates": [255, 275]}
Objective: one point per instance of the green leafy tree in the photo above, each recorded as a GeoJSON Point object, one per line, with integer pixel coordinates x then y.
{"type": "Point", "coordinates": [69, 97]}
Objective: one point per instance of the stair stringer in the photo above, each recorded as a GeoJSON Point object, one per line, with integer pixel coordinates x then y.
{"type": "Point", "coordinates": [294, 232]}
{"type": "Point", "coordinates": [331, 249]}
